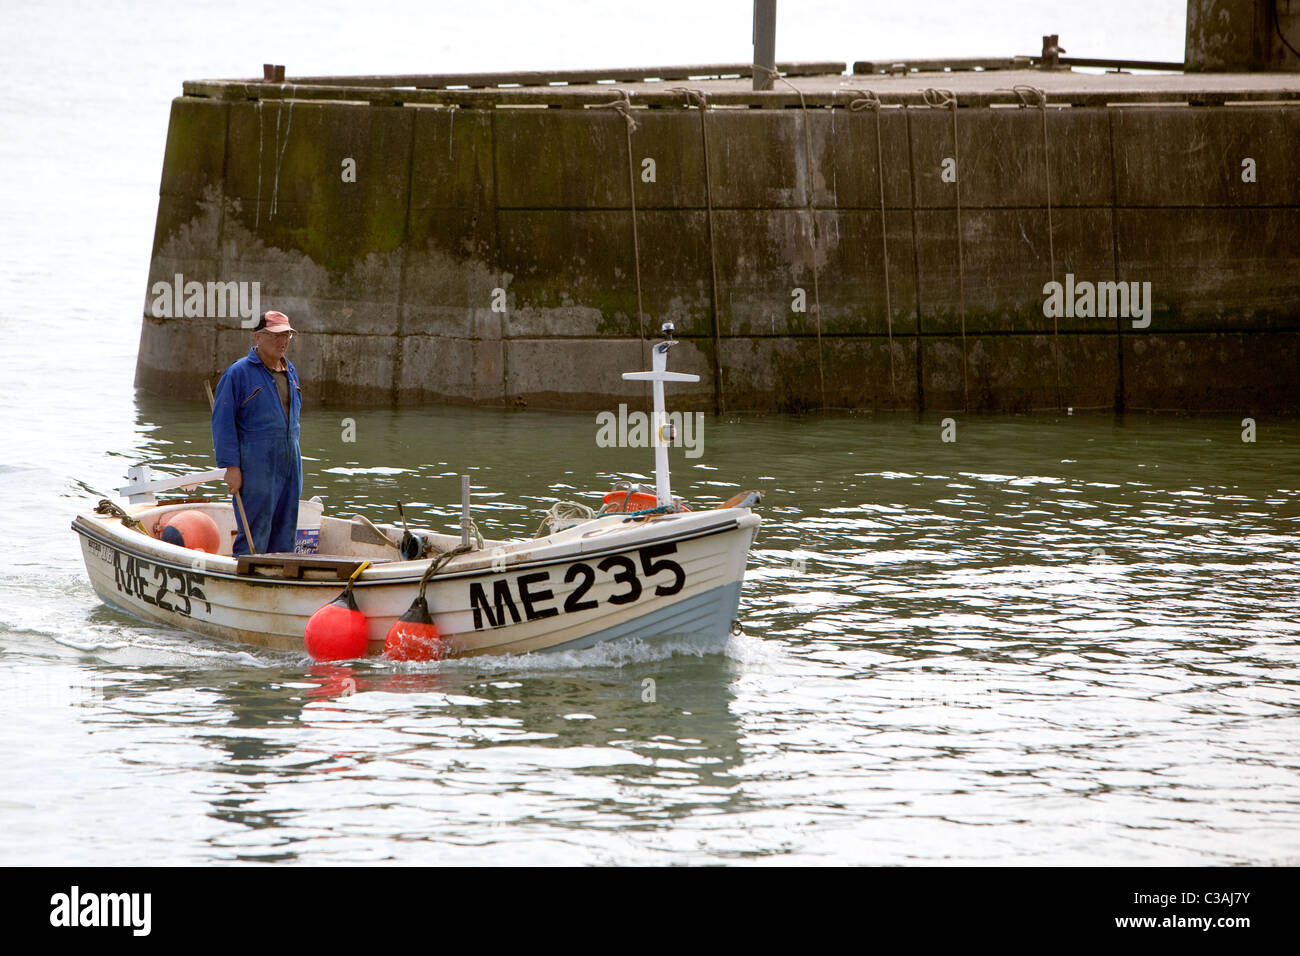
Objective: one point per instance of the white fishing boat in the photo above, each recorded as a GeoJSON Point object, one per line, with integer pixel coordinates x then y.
{"type": "Point", "coordinates": [651, 570]}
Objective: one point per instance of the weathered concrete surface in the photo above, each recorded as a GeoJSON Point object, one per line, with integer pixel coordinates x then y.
{"type": "Point", "coordinates": [1242, 35]}
{"type": "Point", "coordinates": [797, 374]}
{"type": "Point", "coordinates": [824, 254]}
{"type": "Point", "coordinates": [1021, 373]}
{"type": "Point", "coordinates": [1229, 370]}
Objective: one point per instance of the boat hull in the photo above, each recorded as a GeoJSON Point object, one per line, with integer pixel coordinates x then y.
{"type": "Point", "coordinates": [613, 578]}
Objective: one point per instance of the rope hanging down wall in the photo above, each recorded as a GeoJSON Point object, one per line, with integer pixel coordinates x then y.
{"type": "Point", "coordinates": [946, 99]}
{"type": "Point", "coordinates": [1033, 96]}
{"type": "Point", "coordinates": [810, 194]}
{"type": "Point", "coordinates": [699, 99]}
{"type": "Point", "coordinates": [868, 100]}
{"type": "Point", "coordinates": [623, 106]}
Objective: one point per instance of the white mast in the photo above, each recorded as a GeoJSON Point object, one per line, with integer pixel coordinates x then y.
{"type": "Point", "coordinates": [663, 429]}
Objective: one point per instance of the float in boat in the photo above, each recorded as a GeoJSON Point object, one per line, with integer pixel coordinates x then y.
{"type": "Point", "coordinates": [643, 567]}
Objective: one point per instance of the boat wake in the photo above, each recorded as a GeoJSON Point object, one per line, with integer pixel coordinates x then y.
{"type": "Point", "coordinates": [90, 647]}
{"type": "Point", "coordinates": [166, 650]}
{"type": "Point", "coordinates": [612, 654]}
{"type": "Point", "coordinates": [132, 645]}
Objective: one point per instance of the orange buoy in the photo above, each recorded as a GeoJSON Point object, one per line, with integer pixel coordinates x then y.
{"type": "Point", "coordinates": [628, 501]}
{"type": "Point", "coordinates": [191, 529]}
{"type": "Point", "coordinates": [338, 631]}
{"type": "Point", "coordinates": [414, 636]}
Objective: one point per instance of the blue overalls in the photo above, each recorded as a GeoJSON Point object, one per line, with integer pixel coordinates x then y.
{"type": "Point", "coordinates": [250, 431]}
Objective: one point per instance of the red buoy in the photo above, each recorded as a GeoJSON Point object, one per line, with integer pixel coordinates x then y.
{"type": "Point", "coordinates": [338, 631]}
{"type": "Point", "coordinates": [191, 529]}
{"type": "Point", "coordinates": [414, 636]}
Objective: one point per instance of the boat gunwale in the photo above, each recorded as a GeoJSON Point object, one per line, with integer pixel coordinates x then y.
{"type": "Point", "coordinates": [90, 529]}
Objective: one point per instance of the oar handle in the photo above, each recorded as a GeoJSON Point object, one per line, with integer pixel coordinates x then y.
{"type": "Point", "coordinates": [248, 532]}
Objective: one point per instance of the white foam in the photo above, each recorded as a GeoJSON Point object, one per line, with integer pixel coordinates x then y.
{"type": "Point", "coordinates": [182, 650]}
{"type": "Point", "coordinates": [89, 647]}
{"type": "Point", "coordinates": [377, 470]}
{"type": "Point", "coordinates": [607, 654]}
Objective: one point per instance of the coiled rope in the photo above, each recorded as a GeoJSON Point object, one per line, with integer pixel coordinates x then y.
{"type": "Point", "coordinates": [106, 507]}
{"type": "Point", "coordinates": [565, 511]}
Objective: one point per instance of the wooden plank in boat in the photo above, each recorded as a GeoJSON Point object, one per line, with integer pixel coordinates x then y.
{"type": "Point", "coordinates": [293, 565]}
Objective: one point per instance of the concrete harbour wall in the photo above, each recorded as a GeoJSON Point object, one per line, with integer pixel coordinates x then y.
{"type": "Point", "coordinates": [826, 254]}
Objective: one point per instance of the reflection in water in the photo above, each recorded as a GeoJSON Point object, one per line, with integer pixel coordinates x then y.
{"type": "Point", "coordinates": [457, 755]}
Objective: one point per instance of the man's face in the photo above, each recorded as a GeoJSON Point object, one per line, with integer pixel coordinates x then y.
{"type": "Point", "coordinates": [273, 344]}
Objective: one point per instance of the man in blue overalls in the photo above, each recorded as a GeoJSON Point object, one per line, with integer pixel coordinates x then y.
{"type": "Point", "coordinates": [255, 435]}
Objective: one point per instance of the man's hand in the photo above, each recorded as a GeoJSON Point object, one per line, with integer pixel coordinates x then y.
{"type": "Point", "coordinates": [235, 479]}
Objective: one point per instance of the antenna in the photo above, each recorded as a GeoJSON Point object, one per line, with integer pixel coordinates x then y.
{"type": "Point", "coordinates": [663, 429]}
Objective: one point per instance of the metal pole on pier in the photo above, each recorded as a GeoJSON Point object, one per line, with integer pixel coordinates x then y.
{"type": "Point", "coordinates": [764, 42]}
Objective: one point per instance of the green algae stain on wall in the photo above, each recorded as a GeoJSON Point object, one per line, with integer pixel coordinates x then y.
{"type": "Point", "coordinates": [193, 167]}
{"type": "Point", "coordinates": [325, 180]}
